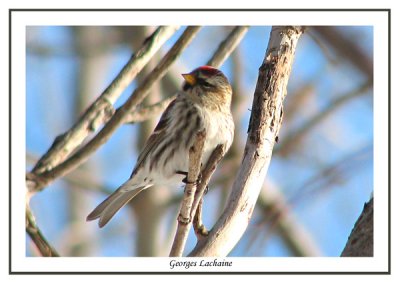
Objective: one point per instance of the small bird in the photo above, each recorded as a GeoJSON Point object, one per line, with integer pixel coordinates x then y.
{"type": "Point", "coordinates": [204, 103]}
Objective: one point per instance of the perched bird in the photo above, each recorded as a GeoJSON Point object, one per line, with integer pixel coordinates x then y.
{"type": "Point", "coordinates": [204, 103]}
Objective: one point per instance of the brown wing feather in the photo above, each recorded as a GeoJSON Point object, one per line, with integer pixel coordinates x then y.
{"type": "Point", "coordinates": [155, 137]}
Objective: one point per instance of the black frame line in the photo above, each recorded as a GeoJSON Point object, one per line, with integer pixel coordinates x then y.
{"type": "Point", "coordinates": [11, 272]}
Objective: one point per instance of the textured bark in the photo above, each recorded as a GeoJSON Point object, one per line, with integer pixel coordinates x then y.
{"type": "Point", "coordinates": [361, 239]}
{"type": "Point", "coordinates": [265, 121]}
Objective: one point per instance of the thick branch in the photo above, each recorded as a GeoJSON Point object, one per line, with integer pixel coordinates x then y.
{"type": "Point", "coordinates": [264, 126]}
{"type": "Point", "coordinates": [361, 239]}
{"type": "Point", "coordinates": [185, 218]}
{"type": "Point", "coordinates": [119, 117]}
{"type": "Point", "coordinates": [101, 110]}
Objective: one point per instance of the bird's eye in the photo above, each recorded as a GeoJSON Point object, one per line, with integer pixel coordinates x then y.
{"type": "Point", "coordinates": [206, 84]}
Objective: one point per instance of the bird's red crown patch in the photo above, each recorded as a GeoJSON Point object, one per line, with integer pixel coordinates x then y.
{"type": "Point", "coordinates": [209, 70]}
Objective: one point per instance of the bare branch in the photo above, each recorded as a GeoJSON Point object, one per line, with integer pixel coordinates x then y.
{"type": "Point", "coordinates": [37, 237]}
{"type": "Point", "coordinates": [296, 135]}
{"type": "Point", "coordinates": [118, 118]}
{"type": "Point", "coordinates": [347, 48]}
{"type": "Point", "coordinates": [143, 113]}
{"type": "Point", "coordinates": [199, 229]}
{"type": "Point", "coordinates": [101, 110]}
{"type": "Point", "coordinates": [185, 218]}
{"type": "Point", "coordinates": [361, 239]}
{"type": "Point", "coordinates": [281, 218]}
{"type": "Point", "coordinates": [264, 126]}
{"type": "Point", "coordinates": [206, 174]}
{"type": "Point", "coordinates": [228, 46]}
{"type": "Point", "coordinates": [80, 178]}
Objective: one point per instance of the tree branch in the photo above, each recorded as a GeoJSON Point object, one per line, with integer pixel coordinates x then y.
{"type": "Point", "coordinates": [282, 219]}
{"type": "Point", "coordinates": [101, 110]}
{"type": "Point", "coordinates": [228, 46]}
{"type": "Point", "coordinates": [361, 239]}
{"type": "Point", "coordinates": [118, 118]}
{"type": "Point", "coordinates": [347, 48]}
{"type": "Point", "coordinates": [185, 218]}
{"type": "Point", "coordinates": [264, 126]}
{"type": "Point", "coordinates": [37, 237]}
{"type": "Point", "coordinates": [206, 174]}
{"type": "Point", "coordinates": [295, 136]}
{"type": "Point", "coordinates": [143, 113]}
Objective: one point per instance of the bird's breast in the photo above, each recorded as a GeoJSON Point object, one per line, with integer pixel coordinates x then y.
{"type": "Point", "coordinates": [219, 131]}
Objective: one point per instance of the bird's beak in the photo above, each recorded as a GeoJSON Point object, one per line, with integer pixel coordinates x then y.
{"type": "Point", "coordinates": [190, 78]}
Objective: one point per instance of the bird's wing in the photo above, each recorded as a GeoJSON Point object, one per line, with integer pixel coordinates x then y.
{"type": "Point", "coordinates": [155, 138]}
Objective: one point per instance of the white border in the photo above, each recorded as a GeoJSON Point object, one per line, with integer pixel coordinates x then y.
{"type": "Point", "coordinates": [377, 19]}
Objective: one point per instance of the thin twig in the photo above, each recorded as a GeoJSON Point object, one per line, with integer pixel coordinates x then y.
{"type": "Point", "coordinates": [37, 237]}
{"type": "Point", "coordinates": [101, 110]}
{"type": "Point", "coordinates": [143, 113]}
{"type": "Point", "coordinates": [119, 117]}
{"type": "Point", "coordinates": [228, 46]}
{"type": "Point", "coordinates": [184, 218]}
{"type": "Point", "coordinates": [199, 228]}
{"type": "Point", "coordinates": [339, 101]}
{"type": "Point", "coordinates": [206, 174]}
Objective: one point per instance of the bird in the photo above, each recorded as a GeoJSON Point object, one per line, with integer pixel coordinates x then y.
{"type": "Point", "coordinates": [204, 103]}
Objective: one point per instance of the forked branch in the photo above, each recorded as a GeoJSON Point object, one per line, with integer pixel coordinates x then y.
{"type": "Point", "coordinates": [185, 218]}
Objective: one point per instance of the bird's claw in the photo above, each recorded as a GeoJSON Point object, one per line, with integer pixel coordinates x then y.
{"type": "Point", "coordinates": [186, 181]}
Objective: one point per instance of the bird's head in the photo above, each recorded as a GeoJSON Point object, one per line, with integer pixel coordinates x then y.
{"type": "Point", "coordinates": [209, 84]}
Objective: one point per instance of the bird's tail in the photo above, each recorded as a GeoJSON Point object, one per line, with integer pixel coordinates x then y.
{"type": "Point", "coordinates": [107, 209]}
